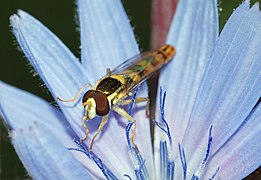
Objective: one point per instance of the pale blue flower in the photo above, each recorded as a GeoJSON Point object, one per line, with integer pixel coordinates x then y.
{"type": "Point", "coordinates": [208, 122]}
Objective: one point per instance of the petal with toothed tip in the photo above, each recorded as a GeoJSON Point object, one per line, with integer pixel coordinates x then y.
{"type": "Point", "coordinates": [64, 77]}
{"type": "Point", "coordinates": [230, 86]}
{"type": "Point", "coordinates": [44, 155]}
{"type": "Point", "coordinates": [193, 34]}
{"type": "Point", "coordinates": [241, 154]}
{"type": "Point", "coordinates": [33, 124]}
{"type": "Point", "coordinates": [56, 65]}
{"type": "Point", "coordinates": [107, 38]}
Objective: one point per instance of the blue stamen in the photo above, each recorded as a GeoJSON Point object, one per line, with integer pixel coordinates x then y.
{"type": "Point", "coordinates": [163, 121]}
{"type": "Point", "coordinates": [194, 177]}
{"type": "Point", "coordinates": [140, 169]}
{"type": "Point", "coordinates": [133, 100]}
{"type": "Point", "coordinates": [126, 175]}
{"type": "Point", "coordinates": [214, 175]}
{"type": "Point", "coordinates": [163, 159]}
{"type": "Point", "coordinates": [106, 172]}
{"type": "Point", "coordinates": [139, 175]}
{"type": "Point", "coordinates": [183, 161]}
{"type": "Point", "coordinates": [139, 172]}
{"type": "Point", "coordinates": [203, 163]}
{"type": "Point", "coordinates": [167, 165]}
{"type": "Point", "coordinates": [160, 126]}
{"type": "Point", "coordinates": [209, 145]}
{"type": "Point", "coordinates": [170, 170]}
{"type": "Point", "coordinates": [128, 128]}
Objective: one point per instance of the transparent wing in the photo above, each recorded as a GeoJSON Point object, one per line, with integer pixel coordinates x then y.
{"type": "Point", "coordinates": [137, 69]}
{"type": "Point", "coordinates": [140, 67]}
{"type": "Point", "coordinates": [129, 62]}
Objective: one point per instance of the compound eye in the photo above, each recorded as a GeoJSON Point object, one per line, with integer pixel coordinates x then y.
{"type": "Point", "coordinates": [87, 95]}
{"type": "Point", "coordinates": [102, 104]}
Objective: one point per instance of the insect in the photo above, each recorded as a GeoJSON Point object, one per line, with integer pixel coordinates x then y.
{"type": "Point", "coordinates": [111, 91]}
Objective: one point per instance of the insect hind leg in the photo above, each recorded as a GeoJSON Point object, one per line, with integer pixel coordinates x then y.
{"type": "Point", "coordinates": [138, 100]}
{"type": "Point", "coordinates": [123, 113]}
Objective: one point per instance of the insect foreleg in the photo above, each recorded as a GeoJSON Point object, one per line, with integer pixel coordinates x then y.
{"type": "Point", "coordinates": [103, 122]}
{"type": "Point", "coordinates": [86, 130]}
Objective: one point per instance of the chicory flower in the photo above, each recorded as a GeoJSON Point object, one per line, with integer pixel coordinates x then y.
{"type": "Point", "coordinates": [208, 121]}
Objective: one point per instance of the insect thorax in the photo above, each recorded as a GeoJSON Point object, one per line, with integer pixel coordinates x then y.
{"type": "Point", "coordinates": [109, 85]}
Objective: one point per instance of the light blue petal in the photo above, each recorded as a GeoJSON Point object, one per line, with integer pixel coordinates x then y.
{"type": "Point", "coordinates": [64, 76]}
{"type": "Point", "coordinates": [55, 64]}
{"type": "Point", "coordinates": [39, 133]}
{"type": "Point", "coordinates": [20, 109]}
{"type": "Point", "coordinates": [230, 86]}
{"type": "Point", "coordinates": [241, 155]}
{"type": "Point", "coordinates": [107, 38]}
{"type": "Point", "coordinates": [111, 145]}
{"type": "Point", "coordinates": [143, 132]}
{"type": "Point", "coordinates": [193, 32]}
{"type": "Point", "coordinates": [44, 156]}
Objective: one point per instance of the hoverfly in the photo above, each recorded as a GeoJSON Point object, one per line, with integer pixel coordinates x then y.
{"type": "Point", "coordinates": [111, 91]}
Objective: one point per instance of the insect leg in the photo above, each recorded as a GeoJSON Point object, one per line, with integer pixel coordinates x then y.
{"type": "Point", "coordinates": [137, 100]}
{"type": "Point", "coordinates": [86, 130]}
{"type": "Point", "coordinates": [123, 113]}
{"type": "Point", "coordinates": [91, 86]}
{"type": "Point", "coordinates": [108, 72]}
{"type": "Point", "coordinates": [103, 122]}
{"type": "Point", "coordinates": [77, 95]}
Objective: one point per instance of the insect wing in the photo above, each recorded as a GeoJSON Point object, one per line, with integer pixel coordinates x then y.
{"type": "Point", "coordinates": [136, 70]}
{"type": "Point", "coordinates": [129, 62]}
{"type": "Point", "coordinates": [140, 67]}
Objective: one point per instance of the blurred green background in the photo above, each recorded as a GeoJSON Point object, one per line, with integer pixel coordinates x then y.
{"type": "Point", "coordinates": [59, 16]}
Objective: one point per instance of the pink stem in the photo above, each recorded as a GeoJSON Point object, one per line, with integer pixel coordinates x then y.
{"type": "Point", "coordinates": [162, 14]}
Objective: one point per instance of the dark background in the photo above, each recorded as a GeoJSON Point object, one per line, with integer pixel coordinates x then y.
{"type": "Point", "coordinates": [59, 16]}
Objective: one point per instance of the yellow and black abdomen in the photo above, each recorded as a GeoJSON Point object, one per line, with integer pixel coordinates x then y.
{"type": "Point", "coordinates": [149, 63]}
